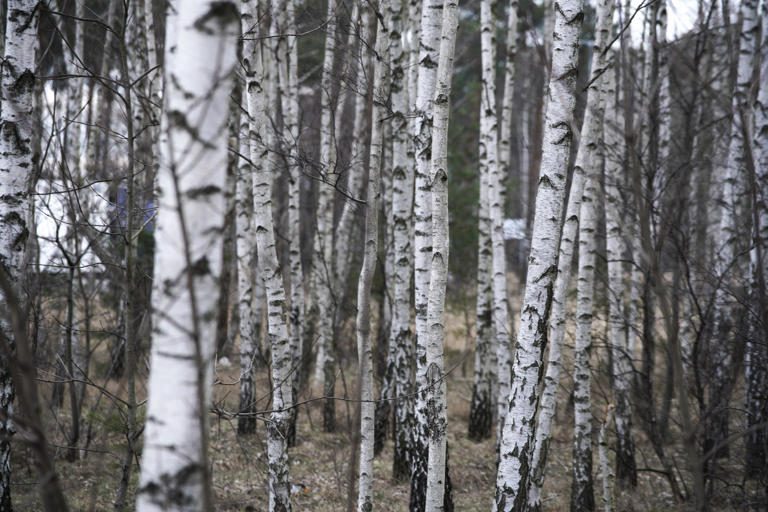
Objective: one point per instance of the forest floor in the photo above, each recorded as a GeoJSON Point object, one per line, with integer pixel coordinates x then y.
{"type": "Point", "coordinates": [320, 463]}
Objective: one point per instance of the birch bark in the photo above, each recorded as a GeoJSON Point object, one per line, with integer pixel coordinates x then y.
{"type": "Point", "coordinates": [503, 335]}
{"type": "Point", "coordinates": [373, 204]}
{"type": "Point", "coordinates": [429, 40]}
{"type": "Point", "coordinates": [400, 336]}
{"type": "Point", "coordinates": [481, 411]}
{"type": "Point", "coordinates": [437, 407]}
{"type": "Point", "coordinates": [586, 152]}
{"type": "Point", "coordinates": [582, 491]}
{"type": "Point", "coordinates": [322, 270]}
{"type": "Point", "coordinates": [519, 428]}
{"type": "Point", "coordinates": [626, 469]}
{"type": "Point", "coordinates": [200, 62]}
{"type": "Point", "coordinates": [17, 81]}
{"type": "Point", "coordinates": [246, 265]}
{"type": "Point", "coordinates": [260, 101]}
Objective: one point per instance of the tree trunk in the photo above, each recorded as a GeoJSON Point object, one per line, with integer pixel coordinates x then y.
{"type": "Point", "coordinates": [437, 405]}
{"type": "Point", "coordinates": [190, 222]}
{"type": "Point", "coordinates": [626, 469]}
{"type": "Point", "coordinates": [247, 270]}
{"type": "Point", "coordinates": [18, 172]}
{"type": "Point", "coordinates": [289, 95]}
{"type": "Point", "coordinates": [429, 40]}
{"type": "Point", "coordinates": [322, 267]}
{"type": "Point", "coordinates": [372, 212]}
{"type": "Point", "coordinates": [586, 152]}
{"type": "Point", "coordinates": [519, 428]}
{"type": "Point", "coordinates": [260, 101]}
{"type": "Point", "coordinates": [497, 189]}
{"type": "Point", "coordinates": [481, 410]}
{"type": "Point", "coordinates": [400, 335]}
{"type": "Point", "coordinates": [582, 491]}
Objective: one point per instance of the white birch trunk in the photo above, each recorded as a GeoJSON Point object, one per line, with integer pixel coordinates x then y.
{"type": "Point", "coordinates": [519, 428]}
{"type": "Point", "coordinates": [322, 266]}
{"type": "Point", "coordinates": [590, 136]}
{"type": "Point", "coordinates": [617, 288]}
{"type": "Point", "coordinates": [246, 274]}
{"type": "Point", "coordinates": [582, 492]}
{"type": "Point", "coordinates": [496, 194]}
{"type": "Point", "coordinates": [400, 336]}
{"type": "Point", "coordinates": [504, 337]}
{"type": "Point", "coordinates": [285, 51]}
{"type": "Point", "coordinates": [200, 62]}
{"type": "Point", "coordinates": [364, 351]}
{"type": "Point", "coordinates": [429, 40]}
{"type": "Point", "coordinates": [606, 465]}
{"type": "Point", "coordinates": [17, 81]}
{"type": "Point", "coordinates": [437, 406]}
{"type": "Point", "coordinates": [262, 139]}
{"type": "Point", "coordinates": [481, 412]}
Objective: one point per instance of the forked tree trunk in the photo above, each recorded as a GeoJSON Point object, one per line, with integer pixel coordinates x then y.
{"type": "Point", "coordinates": [519, 428]}
{"type": "Point", "coordinates": [174, 471]}
{"type": "Point", "coordinates": [589, 139]}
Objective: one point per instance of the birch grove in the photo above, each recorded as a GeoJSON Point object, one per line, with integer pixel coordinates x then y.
{"type": "Point", "coordinates": [401, 255]}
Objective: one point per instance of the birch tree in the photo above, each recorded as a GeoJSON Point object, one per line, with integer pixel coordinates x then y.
{"type": "Point", "coordinates": [322, 270]}
{"type": "Point", "coordinates": [481, 411]}
{"type": "Point", "coordinates": [262, 98]}
{"type": "Point", "coordinates": [582, 492]}
{"type": "Point", "coordinates": [429, 40]}
{"type": "Point", "coordinates": [437, 406]}
{"type": "Point", "coordinates": [200, 61]}
{"type": "Point", "coordinates": [285, 53]}
{"type": "Point", "coordinates": [17, 171]}
{"type": "Point", "coordinates": [400, 336]}
{"type": "Point", "coordinates": [500, 305]}
{"type": "Point", "coordinates": [585, 155]}
{"type": "Point", "coordinates": [626, 469]}
{"type": "Point", "coordinates": [246, 268]}
{"type": "Point", "coordinates": [364, 350]}
{"type": "Point", "coordinates": [519, 428]}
